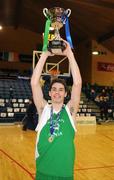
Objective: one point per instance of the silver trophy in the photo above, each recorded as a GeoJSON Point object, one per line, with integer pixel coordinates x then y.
{"type": "Point", "coordinates": [58, 17]}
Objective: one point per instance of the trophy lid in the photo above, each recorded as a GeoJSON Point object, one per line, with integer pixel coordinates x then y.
{"type": "Point", "coordinates": [57, 16]}
{"type": "Point", "coordinates": [56, 11]}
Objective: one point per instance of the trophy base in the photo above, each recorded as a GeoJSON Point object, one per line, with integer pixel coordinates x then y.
{"type": "Point", "coordinates": [56, 46]}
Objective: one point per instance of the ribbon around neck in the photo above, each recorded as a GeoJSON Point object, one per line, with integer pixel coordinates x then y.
{"type": "Point", "coordinates": [45, 41]}
{"type": "Point", "coordinates": [52, 124]}
{"type": "Point", "coordinates": [67, 31]}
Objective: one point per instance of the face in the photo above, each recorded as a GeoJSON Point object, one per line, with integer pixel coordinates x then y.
{"type": "Point", "coordinates": [57, 93]}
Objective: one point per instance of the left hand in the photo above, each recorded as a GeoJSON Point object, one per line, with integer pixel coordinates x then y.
{"type": "Point", "coordinates": [67, 50]}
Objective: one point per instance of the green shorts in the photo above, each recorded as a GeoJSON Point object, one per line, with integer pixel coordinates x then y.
{"type": "Point", "coordinates": [41, 176]}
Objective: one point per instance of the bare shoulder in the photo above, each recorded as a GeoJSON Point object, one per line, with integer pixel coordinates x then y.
{"type": "Point", "coordinates": [40, 107]}
{"type": "Point", "coordinates": [73, 111]}
{"type": "Point", "coordinates": [73, 107]}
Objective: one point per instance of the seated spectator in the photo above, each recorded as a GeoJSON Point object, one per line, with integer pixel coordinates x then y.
{"type": "Point", "coordinates": [30, 120]}
{"type": "Point", "coordinates": [103, 103]}
{"type": "Point", "coordinates": [92, 94]}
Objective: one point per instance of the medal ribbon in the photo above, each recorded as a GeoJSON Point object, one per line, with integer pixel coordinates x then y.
{"type": "Point", "coordinates": [52, 124]}
{"type": "Point", "coordinates": [45, 41]}
{"type": "Point", "coordinates": [67, 31]}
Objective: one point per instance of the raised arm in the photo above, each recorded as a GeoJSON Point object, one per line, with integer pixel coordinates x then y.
{"type": "Point", "coordinates": [35, 83]}
{"type": "Point", "coordinates": [73, 104]}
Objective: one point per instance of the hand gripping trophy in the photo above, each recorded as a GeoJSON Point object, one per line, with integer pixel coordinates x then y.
{"type": "Point", "coordinates": [56, 18]}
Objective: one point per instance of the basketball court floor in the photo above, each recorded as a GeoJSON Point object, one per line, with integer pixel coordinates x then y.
{"type": "Point", "coordinates": [94, 154]}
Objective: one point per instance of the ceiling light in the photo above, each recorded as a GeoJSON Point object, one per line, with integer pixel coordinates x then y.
{"type": "Point", "coordinates": [95, 52]}
{"type": "Point", "coordinates": [1, 27]}
{"type": "Point", "coordinates": [99, 53]}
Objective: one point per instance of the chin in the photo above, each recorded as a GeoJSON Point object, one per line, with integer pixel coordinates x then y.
{"type": "Point", "coordinates": [57, 101]}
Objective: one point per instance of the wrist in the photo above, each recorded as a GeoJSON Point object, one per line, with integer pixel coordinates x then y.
{"type": "Point", "coordinates": [44, 54]}
{"type": "Point", "coordinates": [70, 54]}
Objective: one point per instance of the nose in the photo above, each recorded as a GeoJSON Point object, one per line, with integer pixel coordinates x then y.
{"type": "Point", "coordinates": [57, 91]}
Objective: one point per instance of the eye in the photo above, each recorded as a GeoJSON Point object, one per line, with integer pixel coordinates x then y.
{"type": "Point", "coordinates": [53, 89]}
{"type": "Point", "coordinates": [61, 89]}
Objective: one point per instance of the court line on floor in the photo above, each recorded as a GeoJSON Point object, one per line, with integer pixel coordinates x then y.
{"type": "Point", "coordinates": [13, 160]}
{"type": "Point", "coordinates": [31, 175]}
{"type": "Point", "coordinates": [107, 136]}
{"type": "Point", "coordinates": [98, 167]}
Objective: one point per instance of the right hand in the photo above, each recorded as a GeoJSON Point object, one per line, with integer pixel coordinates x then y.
{"type": "Point", "coordinates": [68, 49]}
{"type": "Point", "coordinates": [47, 53]}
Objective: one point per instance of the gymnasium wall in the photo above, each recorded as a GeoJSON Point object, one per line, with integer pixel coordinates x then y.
{"type": "Point", "coordinates": [25, 42]}
{"type": "Point", "coordinates": [15, 66]}
{"type": "Point", "coordinates": [84, 57]}
{"type": "Point", "coordinates": [103, 75]}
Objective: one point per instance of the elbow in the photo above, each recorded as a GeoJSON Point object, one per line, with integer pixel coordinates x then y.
{"type": "Point", "coordinates": [33, 82]}
{"type": "Point", "coordinates": [78, 82]}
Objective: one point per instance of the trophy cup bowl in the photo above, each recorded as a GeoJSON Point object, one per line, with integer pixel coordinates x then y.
{"type": "Point", "coordinates": [58, 18]}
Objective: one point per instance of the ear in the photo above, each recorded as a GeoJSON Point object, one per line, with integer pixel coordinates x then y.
{"type": "Point", "coordinates": [49, 93]}
{"type": "Point", "coordinates": [65, 94]}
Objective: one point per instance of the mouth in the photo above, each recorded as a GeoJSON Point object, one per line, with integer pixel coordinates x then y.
{"type": "Point", "coordinates": [57, 96]}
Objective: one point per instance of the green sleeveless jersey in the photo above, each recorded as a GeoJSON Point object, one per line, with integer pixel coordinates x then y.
{"type": "Point", "coordinates": [56, 158]}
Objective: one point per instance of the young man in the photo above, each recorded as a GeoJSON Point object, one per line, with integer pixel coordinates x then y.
{"type": "Point", "coordinates": [55, 152]}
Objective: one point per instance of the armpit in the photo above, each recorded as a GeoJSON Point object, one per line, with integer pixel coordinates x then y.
{"type": "Point", "coordinates": [41, 110]}
{"type": "Point", "coordinates": [72, 110]}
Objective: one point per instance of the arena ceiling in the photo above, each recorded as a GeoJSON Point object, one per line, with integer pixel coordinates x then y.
{"type": "Point", "coordinates": [90, 19]}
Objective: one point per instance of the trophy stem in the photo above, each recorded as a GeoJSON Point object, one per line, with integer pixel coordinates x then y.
{"type": "Point", "coordinates": [57, 35]}
{"type": "Point", "coordinates": [56, 17]}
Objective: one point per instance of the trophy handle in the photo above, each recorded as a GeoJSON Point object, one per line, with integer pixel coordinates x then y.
{"type": "Point", "coordinates": [68, 12]}
{"type": "Point", "coordinates": [45, 12]}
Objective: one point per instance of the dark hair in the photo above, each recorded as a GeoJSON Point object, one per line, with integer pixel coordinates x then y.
{"type": "Point", "coordinates": [58, 80]}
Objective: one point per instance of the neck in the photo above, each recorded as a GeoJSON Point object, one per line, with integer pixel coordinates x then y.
{"type": "Point", "coordinates": [57, 107]}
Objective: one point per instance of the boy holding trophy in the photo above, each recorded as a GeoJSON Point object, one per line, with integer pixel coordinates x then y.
{"type": "Point", "coordinates": [55, 150]}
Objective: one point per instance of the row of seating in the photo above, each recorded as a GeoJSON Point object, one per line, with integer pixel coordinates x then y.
{"type": "Point", "coordinates": [17, 88]}
{"type": "Point", "coordinates": [14, 107]}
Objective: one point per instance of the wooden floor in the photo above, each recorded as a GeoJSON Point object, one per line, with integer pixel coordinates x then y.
{"type": "Point", "coordinates": [95, 153]}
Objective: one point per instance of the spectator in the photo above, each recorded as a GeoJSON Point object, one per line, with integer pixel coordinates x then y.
{"type": "Point", "coordinates": [30, 119]}
{"type": "Point", "coordinates": [103, 103]}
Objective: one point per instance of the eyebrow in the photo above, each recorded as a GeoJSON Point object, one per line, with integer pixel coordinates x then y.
{"type": "Point", "coordinates": [56, 88]}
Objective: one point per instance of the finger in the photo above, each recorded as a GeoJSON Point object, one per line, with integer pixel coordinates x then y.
{"type": "Point", "coordinates": [65, 41]}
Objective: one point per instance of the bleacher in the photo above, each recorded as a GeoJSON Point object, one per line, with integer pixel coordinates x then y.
{"type": "Point", "coordinates": [88, 112]}
{"type": "Point", "coordinates": [13, 105]}
{"type": "Point", "coordinates": [87, 108]}
{"type": "Point", "coordinates": [98, 95]}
